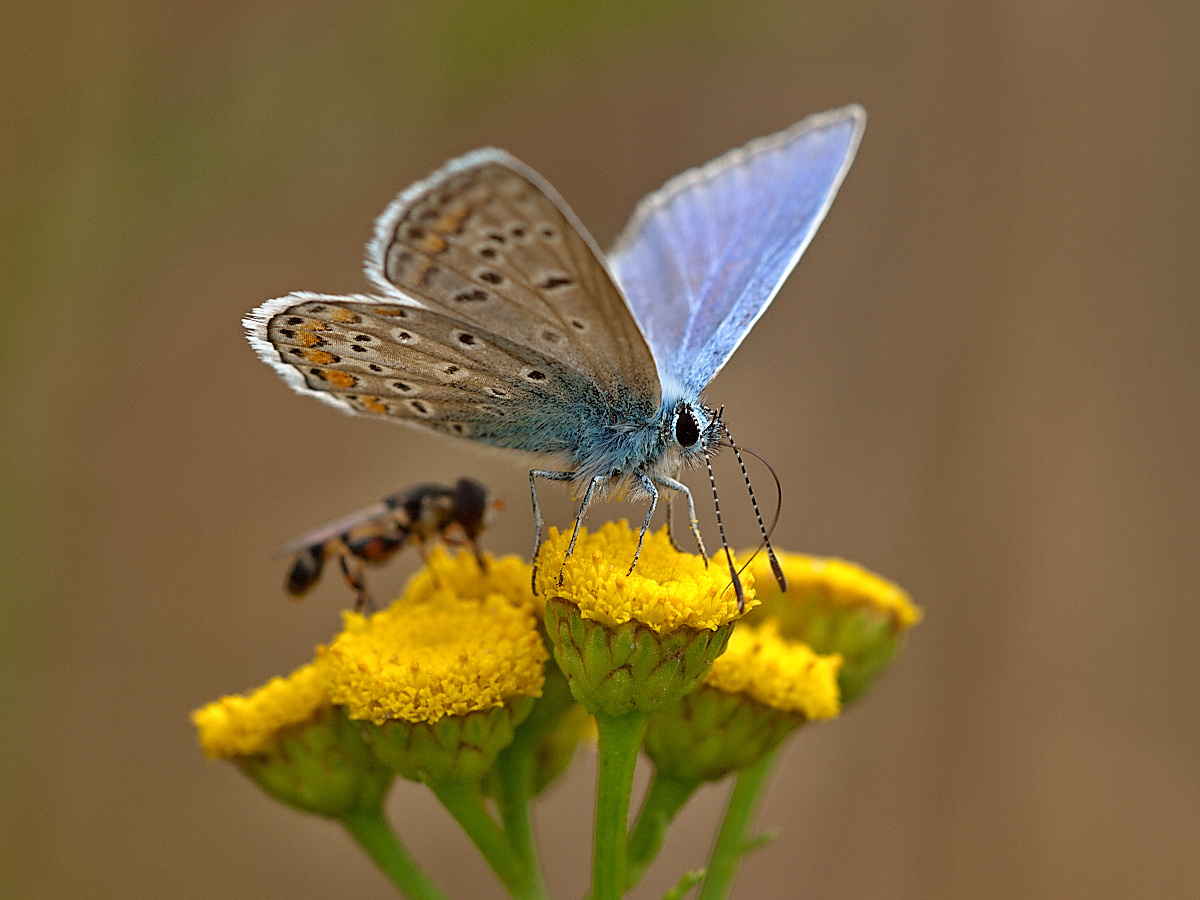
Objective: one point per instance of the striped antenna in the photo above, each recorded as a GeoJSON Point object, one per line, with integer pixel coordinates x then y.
{"type": "Point", "coordinates": [737, 581]}
{"type": "Point", "coordinates": [775, 567]}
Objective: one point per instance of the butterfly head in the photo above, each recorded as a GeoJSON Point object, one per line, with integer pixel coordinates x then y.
{"type": "Point", "coordinates": [695, 430]}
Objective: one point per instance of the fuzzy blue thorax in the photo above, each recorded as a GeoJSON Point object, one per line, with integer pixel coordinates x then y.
{"type": "Point", "coordinates": [681, 433]}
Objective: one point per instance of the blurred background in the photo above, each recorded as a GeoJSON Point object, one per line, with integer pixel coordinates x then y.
{"type": "Point", "coordinates": [981, 382]}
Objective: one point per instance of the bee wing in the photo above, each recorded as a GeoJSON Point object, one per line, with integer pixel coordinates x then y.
{"type": "Point", "coordinates": [319, 535]}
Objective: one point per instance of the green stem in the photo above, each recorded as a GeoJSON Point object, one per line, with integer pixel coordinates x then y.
{"type": "Point", "coordinates": [464, 801]}
{"type": "Point", "coordinates": [373, 834]}
{"type": "Point", "coordinates": [664, 799]}
{"type": "Point", "coordinates": [727, 853]}
{"type": "Point", "coordinates": [620, 739]}
{"type": "Point", "coordinates": [515, 772]}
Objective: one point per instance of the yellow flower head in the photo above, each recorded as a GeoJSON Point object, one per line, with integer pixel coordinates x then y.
{"type": "Point", "coordinates": [784, 675]}
{"type": "Point", "coordinates": [459, 641]}
{"type": "Point", "coordinates": [238, 725]}
{"type": "Point", "coordinates": [667, 590]}
{"type": "Point", "coordinates": [760, 690]}
{"type": "Point", "coordinates": [836, 606]}
{"type": "Point", "coordinates": [832, 583]}
{"type": "Point", "coordinates": [459, 574]}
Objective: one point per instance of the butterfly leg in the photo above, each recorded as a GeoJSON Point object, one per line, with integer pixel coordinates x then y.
{"type": "Point", "coordinates": [681, 488]}
{"type": "Point", "coordinates": [649, 487]}
{"type": "Point", "coordinates": [671, 524]}
{"type": "Point", "coordinates": [586, 502]}
{"type": "Point", "coordinates": [537, 510]}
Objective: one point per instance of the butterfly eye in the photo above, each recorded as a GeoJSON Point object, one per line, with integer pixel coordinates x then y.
{"type": "Point", "coordinates": [687, 431]}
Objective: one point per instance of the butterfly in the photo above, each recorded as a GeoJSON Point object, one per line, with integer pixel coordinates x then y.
{"type": "Point", "coordinates": [499, 320]}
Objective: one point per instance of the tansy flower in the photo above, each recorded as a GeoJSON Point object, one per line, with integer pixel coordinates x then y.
{"type": "Point", "coordinates": [239, 725]}
{"type": "Point", "coordinates": [298, 748]}
{"type": "Point", "coordinates": [630, 643]}
{"type": "Point", "coordinates": [451, 573]}
{"type": "Point", "coordinates": [666, 591]}
{"type": "Point", "coordinates": [785, 675]}
{"type": "Point", "coordinates": [839, 607]}
{"type": "Point", "coordinates": [633, 640]}
{"type": "Point", "coordinates": [445, 673]}
{"type": "Point", "coordinates": [798, 656]}
{"type": "Point", "coordinates": [761, 689]}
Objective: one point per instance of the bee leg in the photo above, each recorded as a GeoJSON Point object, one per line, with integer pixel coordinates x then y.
{"type": "Point", "coordinates": [419, 545]}
{"type": "Point", "coordinates": [681, 488]}
{"type": "Point", "coordinates": [537, 511]}
{"type": "Point", "coordinates": [354, 578]}
{"type": "Point", "coordinates": [478, 555]}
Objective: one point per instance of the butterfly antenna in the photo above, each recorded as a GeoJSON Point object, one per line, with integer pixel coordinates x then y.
{"type": "Point", "coordinates": [737, 581]}
{"type": "Point", "coordinates": [766, 534]}
{"type": "Point", "coordinates": [778, 488]}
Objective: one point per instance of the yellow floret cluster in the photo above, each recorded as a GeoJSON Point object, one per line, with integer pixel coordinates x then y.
{"type": "Point", "coordinates": [784, 675]}
{"type": "Point", "coordinates": [459, 574]}
{"type": "Point", "coordinates": [843, 584]}
{"type": "Point", "coordinates": [238, 725]}
{"type": "Point", "coordinates": [454, 644]}
{"type": "Point", "coordinates": [667, 590]}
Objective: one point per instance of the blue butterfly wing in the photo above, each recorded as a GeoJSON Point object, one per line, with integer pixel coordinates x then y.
{"type": "Point", "coordinates": [702, 257]}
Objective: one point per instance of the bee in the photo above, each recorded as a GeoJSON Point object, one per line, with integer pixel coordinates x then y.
{"type": "Point", "coordinates": [372, 536]}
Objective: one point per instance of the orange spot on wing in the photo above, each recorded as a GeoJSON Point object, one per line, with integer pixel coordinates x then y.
{"type": "Point", "coordinates": [340, 379]}
{"type": "Point", "coordinates": [320, 357]}
{"type": "Point", "coordinates": [453, 217]}
{"type": "Point", "coordinates": [344, 316]}
{"type": "Point", "coordinates": [373, 404]}
{"type": "Point", "coordinates": [432, 243]}
{"type": "Point", "coordinates": [308, 339]}
{"type": "Point", "coordinates": [312, 325]}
